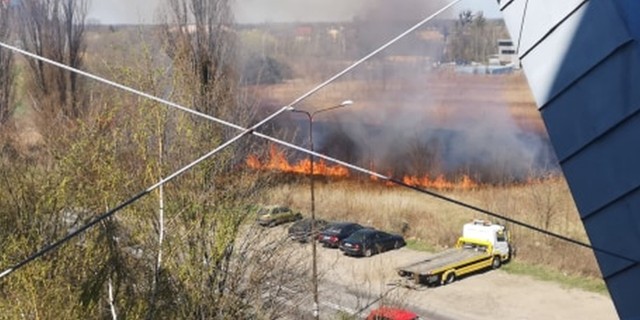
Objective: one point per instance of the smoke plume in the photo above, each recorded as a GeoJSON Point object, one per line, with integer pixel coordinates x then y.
{"type": "Point", "coordinates": [412, 118]}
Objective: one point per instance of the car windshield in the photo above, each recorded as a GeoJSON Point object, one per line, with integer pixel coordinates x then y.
{"type": "Point", "coordinates": [336, 228]}
{"type": "Point", "coordinates": [360, 235]}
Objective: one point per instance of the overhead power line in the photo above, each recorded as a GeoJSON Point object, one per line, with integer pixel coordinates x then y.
{"type": "Point", "coordinates": [244, 132]}
{"type": "Point", "coordinates": [119, 207]}
{"type": "Point", "coordinates": [252, 130]}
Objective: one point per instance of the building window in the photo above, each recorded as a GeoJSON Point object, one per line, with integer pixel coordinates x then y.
{"type": "Point", "coordinates": [507, 51]}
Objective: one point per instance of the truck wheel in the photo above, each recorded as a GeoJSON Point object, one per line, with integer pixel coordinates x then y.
{"type": "Point", "coordinates": [368, 252]}
{"type": "Point", "coordinates": [451, 277]}
{"type": "Point", "coordinates": [496, 263]}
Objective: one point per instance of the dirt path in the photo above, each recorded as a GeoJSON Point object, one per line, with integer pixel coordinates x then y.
{"type": "Point", "coordinates": [490, 295]}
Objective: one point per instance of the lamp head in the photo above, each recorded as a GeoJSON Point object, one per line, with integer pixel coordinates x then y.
{"type": "Point", "coordinates": [346, 103]}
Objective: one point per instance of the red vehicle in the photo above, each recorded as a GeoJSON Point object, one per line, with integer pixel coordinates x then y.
{"type": "Point", "coordinates": [386, 313]}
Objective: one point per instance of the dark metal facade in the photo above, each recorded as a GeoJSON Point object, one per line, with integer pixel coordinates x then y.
{"type": "Point", "coordinates": [582, 61]}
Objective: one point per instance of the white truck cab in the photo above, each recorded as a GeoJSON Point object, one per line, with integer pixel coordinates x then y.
{"type": "Point", "coordinates": [495, 234]}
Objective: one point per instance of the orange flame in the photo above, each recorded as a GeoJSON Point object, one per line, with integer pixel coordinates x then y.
{"type": "Point", "coordinates": [440, 182]}
{"type": "Point", "coordinates": [277, 161]}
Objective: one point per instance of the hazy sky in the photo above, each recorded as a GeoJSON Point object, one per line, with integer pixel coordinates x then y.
{"type": "Point", "coordinates": [144, 11]}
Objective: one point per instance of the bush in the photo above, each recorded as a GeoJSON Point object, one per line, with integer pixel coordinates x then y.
{"type": "Point", "coordinates": [264, 70]}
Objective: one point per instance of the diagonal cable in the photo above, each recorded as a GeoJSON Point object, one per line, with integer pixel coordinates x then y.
{"type": "Point", "coordinates": [212, 118]}
{"type": "Point", "coordinates": [252, 131]}
{"type": "Point", "coordinates": [524, 16]}
{"type": "Point", "coordinates": [281, 142]}
{"type": "Point", "coordinates": [446, 199]}
{"type": "Point", "coordinates": [244, 132]}
{"type": "Point", "coordinates": [124, 204]}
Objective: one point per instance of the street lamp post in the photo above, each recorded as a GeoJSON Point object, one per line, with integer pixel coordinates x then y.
{"type": "Point", "coordinates": [314, 265]}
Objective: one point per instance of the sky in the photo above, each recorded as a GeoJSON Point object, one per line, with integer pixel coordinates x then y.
{"type": "Point", "coordinates": [255, 11]}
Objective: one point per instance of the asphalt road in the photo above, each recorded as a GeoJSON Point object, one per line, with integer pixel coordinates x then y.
{"type": "Point", "coordinates": [352, 286]}
{"type": "Point", "coordinates": [355, 285]}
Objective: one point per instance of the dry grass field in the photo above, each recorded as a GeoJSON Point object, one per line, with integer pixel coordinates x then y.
{"type": "Point", "coordinates": [437, 224]}
{"type": "Point", "coordinates": [441, 94]}
{"type": "Point", "coordinates": [543, 202]}
{"type": "Point", "coordinates": [438, 99]}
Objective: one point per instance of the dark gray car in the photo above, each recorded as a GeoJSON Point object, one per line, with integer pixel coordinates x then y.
{"type": "Point", "coordinates": [334, 233]}
{"type": "Point", "coordinates": [301, 230]}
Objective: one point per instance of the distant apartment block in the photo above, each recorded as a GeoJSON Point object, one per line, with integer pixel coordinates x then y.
{"type": "Point", "coordinates": [507, 53]}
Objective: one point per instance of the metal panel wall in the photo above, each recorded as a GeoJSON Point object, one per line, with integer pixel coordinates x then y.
{"type": "Point", "coordinates": [584, 70]}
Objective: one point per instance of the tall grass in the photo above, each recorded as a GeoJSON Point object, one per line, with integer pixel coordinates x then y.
{"type": "Point", "coordinates": [544, 203]}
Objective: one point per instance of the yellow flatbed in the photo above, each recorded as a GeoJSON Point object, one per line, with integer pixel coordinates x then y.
{"type": "Point", "coordinates": [468, 256]}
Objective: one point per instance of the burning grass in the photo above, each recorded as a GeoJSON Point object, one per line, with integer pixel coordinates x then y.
{"type": "Point", "coordinates": [442, 101]}
{"type": "Point", "coordinates": [545, 203]}
{"type": "Point", "coordinates": [277, 161]}
{"type": "Point", "coordinates": [422, 130]}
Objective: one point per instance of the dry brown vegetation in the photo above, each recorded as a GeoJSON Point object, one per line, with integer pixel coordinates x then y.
{"type": "Point", "coordinates": [545, 203]}
{"type": "Point", "coordinates": [124, 144]}
{"type": "Point", "coordinates": [446, 94]}
{"type": "Point", "coordinates": [178, 253]}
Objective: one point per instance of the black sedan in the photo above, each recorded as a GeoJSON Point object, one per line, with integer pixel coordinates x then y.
{"type": "Point", "coordinates": [334, 233]}
{"type": "Point", "coordinates": [301, 230]}
{"type": "Point", "coordinates": [367, 242]}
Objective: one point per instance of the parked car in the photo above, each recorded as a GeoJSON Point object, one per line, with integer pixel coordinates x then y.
{"type": "Point", "coordinates": [367, 242]}
{"type": "Point", "coordinates": [274, 215]}
{"type": "Point", "coordinates": [334, 233]}
{"type": "Point", "coordinates": [387, 313]}
{"type": "Point", "coordinates": [301, 230]}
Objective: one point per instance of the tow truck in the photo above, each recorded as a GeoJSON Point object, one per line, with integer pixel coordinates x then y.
{"type": "Point", "coordinates": [482, 245]}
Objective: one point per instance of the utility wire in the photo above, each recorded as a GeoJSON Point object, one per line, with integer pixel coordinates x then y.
{"type": "Point", "coordinates": [445, 198]}
{"type": "Point", "coordinates": [253, 131]}
{"type": "Point", "coordinates": [524, 16]}
{"type": "Point", "coordinates": [209, 117]}
{"type": "Point", "coordinates": [245, 131]}
{"type": "Point", "coordinates": [124, 204]}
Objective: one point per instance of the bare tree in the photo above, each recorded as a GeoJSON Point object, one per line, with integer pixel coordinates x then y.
{"type": "Point", "coordinates": [461, 42]}
{"type": "Point", "coordinates": [424, 157]}
{"type": "Point", "coordinates": [74, 14]}
{"type": "Point", "coordinates": [474, 37]}
{"type": "Point", "coordinates": [200, 40]}
{"type": "Point", "coordinates": [6, 66]}
{"type": "Point", "coordinates": [54, 29]}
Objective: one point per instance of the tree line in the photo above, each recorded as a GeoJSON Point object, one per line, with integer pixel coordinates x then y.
{"type": "Point", "coordinates": [186, 250]}
{"type": "Point", "coordinates": [473, 38]}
